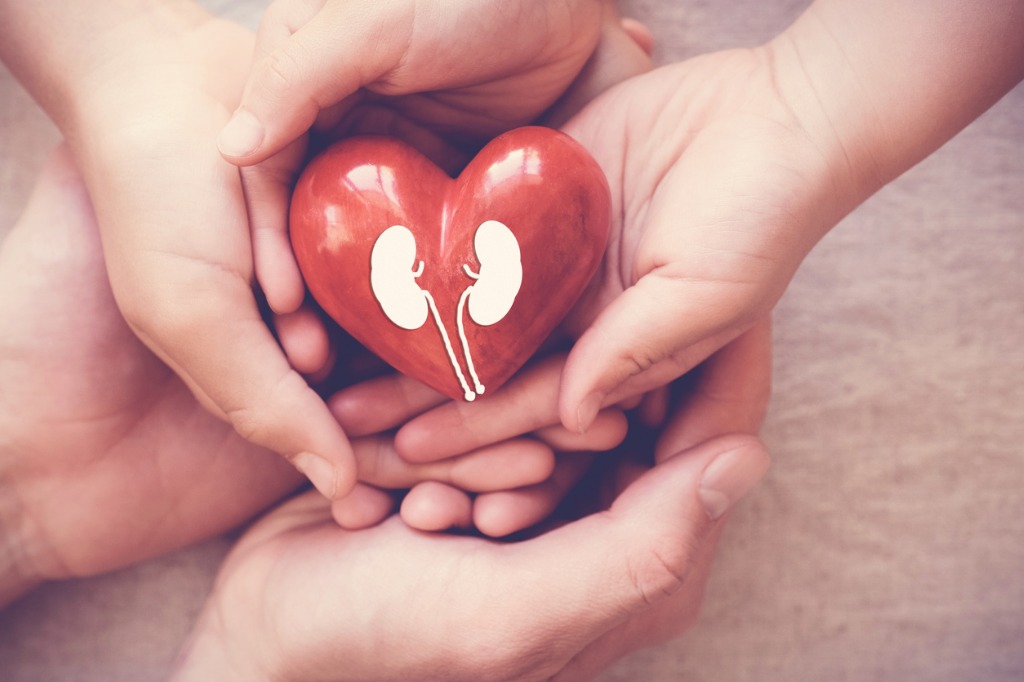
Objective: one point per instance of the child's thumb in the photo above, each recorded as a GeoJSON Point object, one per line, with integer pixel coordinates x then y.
{"type": "Point", "coordinates": [288, 85]}
{"type": "Point", "coordinates": [651, 334]}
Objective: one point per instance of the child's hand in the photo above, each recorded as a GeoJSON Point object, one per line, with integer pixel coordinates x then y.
{"type": "Point", "coordinates": [717, 195]}
{"type": "Point", "coordinates": [466, 68]}
{"type": "Point", "coordinates": [107, 459]}
{"type": "Point", "coordinates": [726, 169]}
{"type": "Point", "coordinates": [140, 91]}
{"type": "Point", "coordinates": [444, 76]}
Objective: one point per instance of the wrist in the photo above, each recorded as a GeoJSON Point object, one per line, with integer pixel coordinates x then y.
{"type": "Point", "coordinates": [66, 56]}
{"type": "Point", "coordinates": [882, 85]}
{"type": "Point", "coordinates": [823, 94]}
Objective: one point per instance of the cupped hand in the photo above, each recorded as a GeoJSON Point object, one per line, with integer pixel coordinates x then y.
{"type": "Point", "coordinates": [300, 598]}
{"type": "Point", "coordinates": [463, 70]}
{"type": "Point", "coordinates": [105, 456]}
{"type": "Point", "coordinates": [718, 193]}
{"type": "Point", "coordinates": [177, 244]}
{"type": "Point", "coordinates": [445, 77]}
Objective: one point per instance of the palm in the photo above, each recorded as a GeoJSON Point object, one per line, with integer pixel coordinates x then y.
{"type": "Point", "coordinates": [457, 605]}
{"type": "Point", "coordinates": [111, 458]}
{"type": "Point", "coordinates": [716, 195]}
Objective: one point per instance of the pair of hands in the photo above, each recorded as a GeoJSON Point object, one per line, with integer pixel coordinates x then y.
{"type": "Point", "coordinates": [116, 461]}
{"type": "Point", "coordinates": [185, 288]}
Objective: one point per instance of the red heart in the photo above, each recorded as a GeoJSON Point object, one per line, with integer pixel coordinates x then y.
{"type": "Point", "coordinates": [547, 196]}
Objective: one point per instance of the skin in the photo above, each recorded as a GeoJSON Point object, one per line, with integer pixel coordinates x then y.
{"type": "Point", "coordinates": [96, 431]}
{"type": "Point", "coordinates": [291, 601]}
{"type": "Point", "coordinates": [106, 457]}
{"type": "Point", "coordinates": [141, 89]}
{"type": "Point", "coordinates": [727, 168]}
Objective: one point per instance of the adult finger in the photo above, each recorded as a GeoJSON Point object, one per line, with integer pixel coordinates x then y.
{"type": "Point", "coordinates": [382, 404]}
{"type": "Point", "coordinates": [640, 551]}
{"type": "Point", "coordinates": [509, 464]}
{"type": "Point", "coordinates": [730, 394]}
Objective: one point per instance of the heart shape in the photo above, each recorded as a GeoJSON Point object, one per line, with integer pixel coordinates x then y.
{"type": "Point", "coordinates": [455, 282]}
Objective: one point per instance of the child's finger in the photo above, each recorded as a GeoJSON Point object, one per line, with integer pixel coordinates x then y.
{"type": "Point", "coordinates": [433, 506]}
{"type": "Point", "coordinates": [634, 345]}
{"type": "Point", "coordinates": [309, 70]}
{"type": "Point", "coordinates": [527, 403]}
{"type": "Point", "coordinates": [504, 512]}
{"type": "Point", "coordinates": [382, 404]}
{"type": "Point", "coordinates": [510, 464]}
{"type": "Point", "coordinates": [268, 190]}
{"type": "Point", "coordinates": [363, 507]}
{"type": "Point", "coordinates": [304, 339]}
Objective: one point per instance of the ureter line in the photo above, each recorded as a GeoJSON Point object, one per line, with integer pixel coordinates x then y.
{"type": "Point", "coordinates": [465, 343]}
{"type": "Point", "coordinates": [448, 347]}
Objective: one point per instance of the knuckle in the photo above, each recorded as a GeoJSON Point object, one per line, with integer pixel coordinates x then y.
{"type": "Point", "coordinates": [160, 314]}
{"type": "Point", "coordinates": [662, 570]}
{"type": "Point", "coordinates": [264, 418]}
{"type": "Point", "coordinates": [280, 72]}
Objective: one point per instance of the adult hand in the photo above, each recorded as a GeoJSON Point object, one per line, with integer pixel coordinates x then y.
{"type": "Point", "coordinates": [300, 598]}
{"type": "Point", "coordinates": [141, 90]}
{"type": "Point", "coordinates": [105, 456]}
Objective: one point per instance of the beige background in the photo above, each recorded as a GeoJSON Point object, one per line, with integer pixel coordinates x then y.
{"type": "Point", "coordinates": [887, 542]}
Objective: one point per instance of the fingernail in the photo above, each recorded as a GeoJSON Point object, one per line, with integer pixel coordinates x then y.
{"type": "Point", "coordinates": [729, 477]}
{"type": "Point", "coordinates": [319, 471]}
{"type": "Point", "coordinates": [241, 136]}
{"type": "Point", "coordinates": [586, 413]}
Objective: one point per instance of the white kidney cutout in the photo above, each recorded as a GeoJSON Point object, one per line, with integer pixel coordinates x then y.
{"type": "Point", "coordinates": [489, 298]}
{"type": "Point", "coordinates": [500, 276]}
{"type": "Point", "coordinates": [393, 279]}
{"type": "Point", "coordinates": [393, 282]}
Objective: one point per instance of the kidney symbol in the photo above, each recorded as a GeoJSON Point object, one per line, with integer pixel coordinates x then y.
{"type": "Point", "coordinates": [490, 296]}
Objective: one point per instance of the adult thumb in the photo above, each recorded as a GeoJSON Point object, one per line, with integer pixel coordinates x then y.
{"type": "Point", "coordinates": [619, 562]}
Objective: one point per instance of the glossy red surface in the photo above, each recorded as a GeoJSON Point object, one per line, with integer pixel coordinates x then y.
{"type": "Point", "coordinates": [538, 182]}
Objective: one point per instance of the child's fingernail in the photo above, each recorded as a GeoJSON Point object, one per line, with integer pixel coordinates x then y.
{"type": "Point", "coordinates": [730, 476]}
{"type": "Point", "coordinates": [319, 471]}
{"type": "Point", "coordinates": [586, 413]}
{"type": "Point", "coordinates": [241, 136]}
